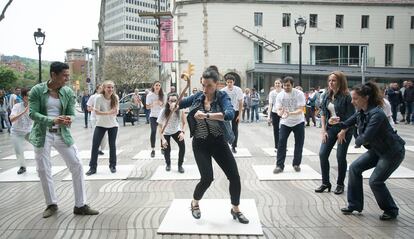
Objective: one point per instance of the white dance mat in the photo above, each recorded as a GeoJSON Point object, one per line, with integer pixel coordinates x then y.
{"type": "Point", "coordinates": [400, 172]}
{"type": "Point", "coordinates": [353, 150]}
{"type": "Point", "coordinates": [215, 218]}
{"type": "Point", "coordinates": [86, 154]}
{"type": "Point", "coordinates": [30, 155]}
{"type": "Point", "coordinates": [190, 173]}
{"type": "Point", "coordinates": [103, 173]}
{"type": "Point", "coordinates": [409, 148]}
{"type": "Point", "coordinates": [242, 153]}
{"type": "Point", "coordinates": [30, 175]}
{"type": "Point", "coordinates": [146, 154]}
{"type": "Point", "coordinates": [265, 172]}
{"type": "Point", "coordinates": [290, 151]}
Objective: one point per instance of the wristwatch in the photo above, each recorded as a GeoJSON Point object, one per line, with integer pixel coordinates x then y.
{"type": "Point", "coordinates": [208, 116]}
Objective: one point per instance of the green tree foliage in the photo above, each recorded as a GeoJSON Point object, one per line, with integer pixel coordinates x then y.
{"type": "Point", "coordinates": [8, 77]}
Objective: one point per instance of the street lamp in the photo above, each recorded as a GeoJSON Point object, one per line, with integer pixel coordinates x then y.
{"type": "Point", "coordinates": [300, 28]}
{"type": "Point", "coordinates": [88, 51]}
{"type": "Point", "coordinates": [39, 37]}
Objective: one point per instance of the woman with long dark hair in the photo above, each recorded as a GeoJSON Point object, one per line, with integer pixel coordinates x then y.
{"type": "Point", "coordinates": [385, 151]}
{"type": "Point", "coordinates": [154, 102]}
{"type": "Point", "coordinates": [174, 129]}
{"type": "Point", "coordinates": [336, 106]}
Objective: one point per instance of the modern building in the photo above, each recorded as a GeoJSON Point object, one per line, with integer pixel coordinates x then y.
{"type": "Point", "coordinates": [257, 41]}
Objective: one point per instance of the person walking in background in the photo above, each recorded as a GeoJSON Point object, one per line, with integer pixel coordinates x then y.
{"type": "Point", "coordinates": [403, 106]}
{"type": "Point", "coordinates": [106, 109]}
{"type": "Point", "coordinates": [174, 129]}
{"type": "Point", "coordinates": [236, 96]}
{"type": "Point", "coordinates": [409, 102]}
{"type": "Point", "coordinates": [310, 107]}
{"type": "Point", "coordinates": [289, 106]}
{"type": "Point", "coordinates": [395, 98]}
{"type": "Point", "coordinates": [22, 125]}
{"type": "Point", "coordinates": [336, 106]}
{"type": "Point", "coordinates": [272, 116]}
{"type": "Point", "coordinates": [154, 102]}
{"type": "Point", "coordinates": [144, 103]}
{"type": "Point", "coordinates": [4, 106]}
{"type": "Point", "coordinates": [255, 100]}
{"type": "Point", "coordinates": [246, 105]}
{"type": "Point", "coordinates": [385, 151]}
{"type": "Point", "coordinates": [137, 102]}
{"type": "Point", "coordinates": [91, 106]}
{"type": "Point", "coordinates": [52, 109]}
{"type": "Point", "coordinates": [84, 107]}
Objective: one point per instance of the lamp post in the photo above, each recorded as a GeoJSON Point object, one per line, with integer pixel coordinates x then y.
{"type": "Point", "coordinates": [88, 51]}
{"type": "Point", "coordinates": [300, 28]}
{"type": "Point", "coordinates": [39, 37]}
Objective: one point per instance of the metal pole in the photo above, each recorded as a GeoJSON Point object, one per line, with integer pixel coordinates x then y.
{"type": "Point", "coordinates": [300, 59]}
{"type": "Point", "coordinates": [40, 63]}
{"type": "Point", "coordinates": [159, 42]}
{"type": "Point", "coordinates": [363, 65]}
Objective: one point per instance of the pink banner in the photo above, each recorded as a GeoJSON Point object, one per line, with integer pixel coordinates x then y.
{"type": "Point", "coordinates": [167, 49]}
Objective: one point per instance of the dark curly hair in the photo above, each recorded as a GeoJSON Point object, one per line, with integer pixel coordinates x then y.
{"type": "Point", "coordinates": [371, 90]}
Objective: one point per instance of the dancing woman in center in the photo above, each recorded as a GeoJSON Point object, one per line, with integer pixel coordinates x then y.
{"type": "Point", "coordinates": [209, 120]}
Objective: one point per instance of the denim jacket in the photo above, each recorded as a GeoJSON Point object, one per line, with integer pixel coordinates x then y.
{"type": "Point", "coordinates": [375, 132]}
{"type": "Point", "coordinates": [221, 103]}
{"type": "Point", "coordinates": [343, 107]}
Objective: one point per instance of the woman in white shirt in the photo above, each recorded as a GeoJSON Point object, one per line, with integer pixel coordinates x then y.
{"type": "Point", "coordinates": [106, 109]}
{"type": "Point", "coordinates": [22, 125]}
{"type": "Point", "coordinates": [154, 102]}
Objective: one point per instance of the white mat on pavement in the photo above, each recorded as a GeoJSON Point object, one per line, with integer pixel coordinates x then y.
{"type": "Point", "coordinates": [30, 155]}
{"type": "Point", "coordinates": [242, 153]}
{"type": "Point", "coordinates": [103, 173]}
{"type": "Point", "coordinates": [290, 151]}
{"type": "Point", "coordinates": [409, 148]}
{"type": "Point", "coordinates": [86, 154]}
{"type": "Point", "coordinates": [400, 172]}
{"type": "Point", "coordinates": [190, 173]}
{"type": "Point", "coordinates": [215, 218]}
{"type": "Point", "coordinates": [146, 154]}
{"type": "Point", "coordinates": [265, 172]}
{"type": "Point", "coordinates": [30, 175]}
{"type": "Point", "coordinates": [353, 150]}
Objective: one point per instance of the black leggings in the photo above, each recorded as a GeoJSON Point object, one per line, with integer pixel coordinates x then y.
{"type": "Point", "coordinates": [96, 142]}
{"type": "Point", "coordinates": [217, 148]}
{"type": "Point", "coordinates": [154, 124]}
{"type": "Point", "coordinates": [181, 146]}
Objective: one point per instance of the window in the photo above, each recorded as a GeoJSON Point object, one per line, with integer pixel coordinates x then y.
{"type": "Point", "coordinates": [365, 21]}
{"type": "Point", "coordinates": [286, 20]}
{"type": "Point", "coordinates": [313, 20]}
{"type": "Point", "coordinates": [412, 22]}
{"type": "Point", "coordinates": [388, 54]}
{"type": "Point", "coordinates": [258, 53]}
{"type": "Point", "coordinates": [339, 21]}
{"type": "Point", "coordinates": [258, 19]}
{"type": "Point", "coordinates": [411, 54]}
{"type": "Point", "coordinates": [390, 22]}
{"type": "Point", "coordinates": [286, 53]}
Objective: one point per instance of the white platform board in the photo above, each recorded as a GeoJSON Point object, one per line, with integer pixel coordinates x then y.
{"type": "Point", "coordinates": [215, 218]}
{"type": "Point", "coordinates": [30, 175]}
{"type": "Point", "coordinates": [265, 172]}
{"type": "Point", "coordinates": [86, 154]}
{"type": "Point", "coordinates": [242, 153]}
{"type": "Point", "coordinates": [146, 154]}
{"type": "Point", "coordinates": [353, 150]}
{"type": "Point", "coordinates": [409, 148]}
{"type": "Point", "coordinates": [190, 173]}
{"type": "Point", "coordinates": [103, 173]}
{"type": "Point", "coordinates": [400, 172]}
{"type": "Point", "coordinates": [30, 155]}
{"type": "Point", "coordinates": [290, 152]}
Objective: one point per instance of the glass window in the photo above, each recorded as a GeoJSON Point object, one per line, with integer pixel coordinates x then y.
{"type": "Point", "coordinates": [411, 54]}
{"type": "Point", "coordinates": [286, 20]}
{"type": "Point", "coordinates": [258, 19]}
{"type": "Point", "coordinates": [258, 53]}
{"type": "Point", "coordinates": [339, 21]}
{"type": "Point", "coordinates": [390, 22]}
{"type": "Point", "coordinates": [412, 22]}
{"type": "Point", "coordinates": [286, 53]}
{"type": "Point", "coordinates": [313, 20]}
{"type": "Point", "coordinates": [388, 54]}
{"type": "Point", "coordinates": [365, 21]}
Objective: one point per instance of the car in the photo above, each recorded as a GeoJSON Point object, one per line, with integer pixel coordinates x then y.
{"type": "Point", "coordinates": [126, 103]}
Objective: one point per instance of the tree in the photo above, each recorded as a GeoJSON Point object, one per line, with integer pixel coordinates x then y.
{"type": "Point", "coordinates": [101, 47]}
{"type": "Point", "coordinates": [3, 13]}
{"type": "Point", "coordinates": [8, 77]}
{"type": "Point", "coordinates": [129, 65]}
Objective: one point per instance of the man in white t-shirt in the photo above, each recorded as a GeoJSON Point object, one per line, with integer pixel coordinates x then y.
{"type": "Point", "coordinates": [91, 106]}
{"type": "Point", "coordinates": [236, 97]}
{"type": "Point", "coordinates": [289, 105]}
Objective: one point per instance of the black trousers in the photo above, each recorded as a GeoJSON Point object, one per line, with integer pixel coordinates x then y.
{"type": "Point", "coordinates": [181, 151]}
{"type": "Point", "coordinates": [235, 128]}
{"type": "Point", "coordinates": [86, 115]}
{"type": "Point", "coordinates": [204, 150]}
{"type": "Point", "coordinates": [98, 134]}
{"type": "Point", "coordinates": [275, 122]}
{"type": "Point", "coordinates": [154, 125]}
{"type": "Point", "coordinates": [310, 114]}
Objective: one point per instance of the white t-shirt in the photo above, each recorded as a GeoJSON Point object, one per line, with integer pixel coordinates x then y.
{"type": "Point", "coordinates": [104, 105]}
{"type": "Point", "coordinates": [91, 103]}
{"type": "Point", "coordinates": [387, 110]}
{"type": "Point", "coordinates": [173, 124]}
{"type": "Point", "coordinates": [235, 94]}
{"type": "Point", "coordinates": [22, 125]}
{"type": "Point", "coordinates": [54, 108]}
{"type": "Point", "coordinates": [272, 99]}
{"type": "Point", "coordinates": [155, 108]}
{"type": "Point", "coordinates": [292, 101]}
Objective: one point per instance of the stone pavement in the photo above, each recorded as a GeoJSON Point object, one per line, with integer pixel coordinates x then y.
{"type": "Point", "coordinates": [134, 208]}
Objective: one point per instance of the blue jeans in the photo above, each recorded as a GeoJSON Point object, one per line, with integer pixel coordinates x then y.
{"type": "Point", "coordinates": [384, 167]}
{"type": "Point", "coordinates": [341, 152]}
{"type": "Point", "coordinates": [299, 133]}
{"type": "Point", "coordinates": [254, 110]}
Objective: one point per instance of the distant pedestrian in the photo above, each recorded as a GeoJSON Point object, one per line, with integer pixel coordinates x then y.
{"type": "Point", "coordinates": [137, 102]}
{"type": "Point", "coordinates": [144, 103]}
{"type": "Point", "coordinates": [246, 105]}
{"type": "Point", "coordinates": [84, 107]}
{"type": "Point", "coordinates": [255, 101]}
{"type": "Point", "coordinates": [154, 102]}
{"type": "Point", "coordinates": [409, 102]}
{"type": "Point", "coordinates": [4, 115]}
{"type": "Point", "coordinates": [395, 99]}
{"type": "Point", "coordinates": [272, 116]}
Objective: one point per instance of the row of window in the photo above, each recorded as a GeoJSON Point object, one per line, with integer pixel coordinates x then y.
{"type": "Point", "coordinates": [339, 21]}
{"type": "Point", "coordinates": [141, 29]}
{"type": "Point", "coordinates": [136, 19]}
{"type": "Point", "coordinates": [148, 5]}
{"type": "Point", "coordinates": [139, 37]}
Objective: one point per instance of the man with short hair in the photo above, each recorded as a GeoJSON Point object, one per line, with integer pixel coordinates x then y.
{"type": "Point", "coordinates": [289, 105]}
{"type": "Point", "coordinates": [52, 109]}
{"type": "Point", "coordinates": [15, 97]}
{"type": "Point", "coordinates": [409, 102]}
{"type": "Point", "coordinates": [236, 96]}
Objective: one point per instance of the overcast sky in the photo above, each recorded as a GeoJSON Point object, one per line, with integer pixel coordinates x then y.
{"type": "Point", "coordinates": [66, 23]}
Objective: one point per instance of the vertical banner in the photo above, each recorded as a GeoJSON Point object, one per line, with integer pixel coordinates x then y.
{"type": "Point", "coordinates": [167, 40]}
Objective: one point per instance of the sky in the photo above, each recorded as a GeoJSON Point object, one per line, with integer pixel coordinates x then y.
{"type": "Point", "coordinates": [67, 24]}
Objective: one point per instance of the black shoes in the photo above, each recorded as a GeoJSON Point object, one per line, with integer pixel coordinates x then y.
{"type": "Point", "coordinates": [152, 153]}
{"type": "Point", "coordinates": [168, 168]}
{"type": "Point", "coordinates": [239, 216]}
{"type": "Point", "coordinates": [113, 169]}
{"type": "Point", "coordinates": [234, 150]}
{"type": "Point", "coordinates": [348, 210]}
{"type": "Point", "coordinates": [21, 170]}
{"type": "Point", "coordinates": [50, 210]}
{"type": "Point", "coordinates": [100, 152]}
{"type": "Point", "coordinates": [90, 172]}
{"type": "Point", "coordinates": [195, 211]}
{"type": "Point", "coordinates": [387, 216]}
{"type": "Point", "coordinates": [339, 189]}
{"type": "Point", "coordinates": [180, 169]}
{"type": "Point", "coordinates": [277, 170]}
{"type": "Point", "coordinates": [323, 187]}
{"type": "Point", "coordinates": [296, 168]}
{"type": "Point", "coordinates": [85, 210]}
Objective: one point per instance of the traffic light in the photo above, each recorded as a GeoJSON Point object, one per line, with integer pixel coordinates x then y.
{"type": "Point", "coordinates": [191, 69]}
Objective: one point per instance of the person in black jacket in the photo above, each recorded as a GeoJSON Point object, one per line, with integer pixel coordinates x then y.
{"type": "Point", "coordinates": [409, 102]}
{"type": "Point", "coordinates": [395, 99]}
{"type": "Point", "coordinates": [84, 107]}
{"type": "Point", "coordinates": [385, 151]}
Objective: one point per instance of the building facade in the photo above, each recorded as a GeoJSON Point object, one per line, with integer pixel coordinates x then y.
{"type": "Point", "coordinates": [257, 41]}
{"type": "Point", "coordinates": [76, 61]}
